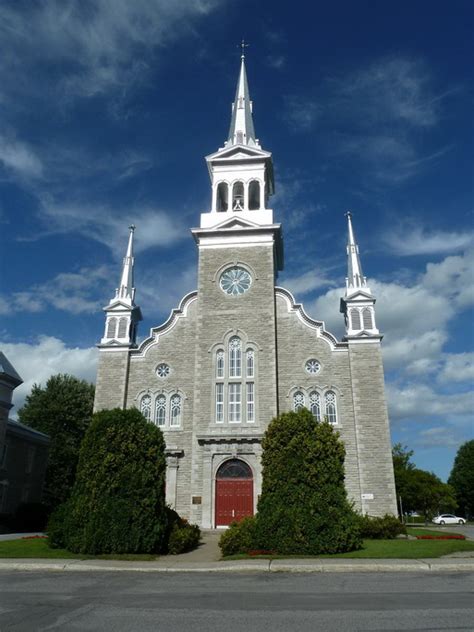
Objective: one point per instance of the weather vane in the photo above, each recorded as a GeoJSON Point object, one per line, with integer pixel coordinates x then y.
{"type": "Point", "coordinates": [243, 45]}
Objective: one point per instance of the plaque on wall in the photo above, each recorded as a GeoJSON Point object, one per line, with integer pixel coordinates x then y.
{"type": "Point", "coordinates": [367, 496]}
{"type": "Point", "coordinates": [197, 500]}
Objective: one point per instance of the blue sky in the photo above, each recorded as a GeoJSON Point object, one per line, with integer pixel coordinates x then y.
{"type": "Point", "coordinates": [107, 109]}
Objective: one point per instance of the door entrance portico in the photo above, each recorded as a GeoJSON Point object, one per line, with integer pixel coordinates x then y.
{"type": "Point", "coordinates": [234, 492]}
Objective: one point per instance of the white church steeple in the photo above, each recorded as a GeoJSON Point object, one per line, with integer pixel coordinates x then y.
{"type": "Point", "coordinates": [357, 305]}
{"type": "Point", "coordinates": [241, 171]}
{"type": "Point", "coordinates": [123, 314]}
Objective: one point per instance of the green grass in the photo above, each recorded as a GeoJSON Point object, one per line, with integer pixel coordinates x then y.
{"type": "Point", "coordinates": [38, 548]}
{"type": "Point", "coordinates": [388, 549]}
{"type": "Point", "coordinates": [422, 531]}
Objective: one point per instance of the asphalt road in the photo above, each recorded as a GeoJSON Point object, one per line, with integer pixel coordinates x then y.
{"type": "Point", "coordinates": [216, 602]}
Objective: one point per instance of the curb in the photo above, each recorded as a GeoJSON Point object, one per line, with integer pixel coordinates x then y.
{"type": "Point", "coordinates": [265, 566]}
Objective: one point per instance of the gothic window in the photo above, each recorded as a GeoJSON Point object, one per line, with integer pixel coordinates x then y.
{"type": "Point", "coordinates": [222, 199]}
{"type": "Point", "coordinates": [250, 362]}
{"type": "Point", "coordinates": [238, 196]}
{"type": "Point", "coordinates": [367, 318]}
{"type": "Point", "coordinates": [220, 363]}
{"type": "Point", "coordinates": [219, 402]}
{"type": "Point", "coordinates": [122, 327]}
{"type": "Point", "coordinates": [331, 412]}
{"type": "Point", "coordinates": [175, 412]}
{"type": "Point", "coordinates": [145, 407]}
{"type": "Point", "coordinates": [160, 411]}
{"type": "Point", "coordinates": [254, 195]}
{"type": "Point", "coordinates": [234, 468]}
{"type": "Point", "coordinates": [111, 328]}
{"type": "Point", "coordinates": [235, 357]}
{"type": "Point", "coordinates": [355, 318]}
{"type": "Point", "coordinates": [234, 402]}
{"type": "Point", "coordinates": [250, 402]}
{"type": "Point", "coordinates": [298, 401]}
{"type": "Point", "coordinates": [315, 405]}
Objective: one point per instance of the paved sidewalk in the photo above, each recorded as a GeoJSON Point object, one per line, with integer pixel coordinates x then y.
{"type": "Point", "coordinates": [205, 559]}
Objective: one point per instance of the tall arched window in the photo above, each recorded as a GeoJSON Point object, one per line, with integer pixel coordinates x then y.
{"type": "Point", "coordinates": [254, 195]}
{"type": "Point", "coordinates": [315, 405]}
{"type": "Point", "coordinates": [175, 418]}
{"type": "Point", "coordinates": [122, 327]}
{"type": "Point", "coordinates": [111, 327]}
{"type": "Point", "coordinates": [220, 363]}
{"type": "Point", "coordinates": [298, 401]}
{"type": "Point", "coordinates": [222, 198]}
{"type": "Point", "coordinates": [250, 363]}
{"type": "Point", "coordinates": [238, 196]}
{"type": "Point", "coordinates": [160, 411]}
{"type": "Point", "coordinates": [367, 318]}
{"type": "Point", "coordinates": [145, 407]}
{"type": "Point", "coordinates": [235, 357]}
{"type": "Point", "coordinates": [331, 411]}
{"type": "Point", "coordinates": [355, 318]}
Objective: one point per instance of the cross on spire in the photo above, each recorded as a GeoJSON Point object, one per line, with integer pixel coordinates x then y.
{"type": "Point", "coordinates": [243, 45]}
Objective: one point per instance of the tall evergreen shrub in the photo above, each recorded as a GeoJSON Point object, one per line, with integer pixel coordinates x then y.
{"type": "Point", "coordinates": [117, 504]}
{"type": "Point", "coordinates": [303, 508]}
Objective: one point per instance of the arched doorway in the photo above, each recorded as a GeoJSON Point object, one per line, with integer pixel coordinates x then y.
{"type": "Point", "coordinates": [234, 492]}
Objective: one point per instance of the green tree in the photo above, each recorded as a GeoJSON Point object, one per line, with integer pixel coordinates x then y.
{"type": "Point", "coordinates": [419, 490]}
{"type": "Point", "coordinates": [117, 503]}
{"type": "Point", "coordinates": [303, 507]}
{"type": "Point", "coordinates": [62, 410]}
{"type": "Point", "coordinates": [462, 478]}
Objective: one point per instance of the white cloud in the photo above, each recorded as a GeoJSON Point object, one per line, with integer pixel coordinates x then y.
{"type": "Point", "coordinates": [36, 362]}
{"type": "Point", "coordinates": [19, 157]}
{"type": "Point", "coordinates": [110, 226]}
{"type": "Point", "coordinates": [416, 240]}
{"type": "Point", "coordinates": [172, 284]}
{"type": "Point", "coordinates": [439, 436]}
{"type": "Point", "coordinates": [419, 400]}
{"type": "Point", "coordinates": [73, 292]}
{"type": "Point", "coordinates": [102, 45]}
{"type": "Point", "coordinates": [301, 113]}
{"type": "Point", "coordinates": [458, 367]}
{"type": "Point", "coordinates": [308, 281]}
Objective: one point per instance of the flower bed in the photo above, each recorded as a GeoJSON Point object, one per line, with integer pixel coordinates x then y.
{"type": "Point", "coordinates": [260, 552]}
{"type": "Point", "coordinates": [34, 537]}
{"type": "Point", "coordinates": [440, 537]}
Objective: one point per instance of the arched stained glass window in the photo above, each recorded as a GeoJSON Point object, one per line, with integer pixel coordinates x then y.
{"type": "Point", "coordinates": [220, 363]}
{"type": "Point", "coordinates": [355, 319]}
{"type": "Point", "coordinates": [235, 357]}
{"type": "Point", "coordinates": [315, 405]}
{"type": "Point", "coordinates": [234, 468]}
{"type": "Point", "coordinates": [367, 318]}
{"type": "Point", "coordinates": [298, 401]}
{"type": "Point", "coordinates": [160, 411]}
{"type": "Point", "coordinates": [145, 407]}
{"type": "Point", "coordinates": [250, 363]}
{"type": "Point", "coordinates": [175, 419]}
{"type": "Point", "coordinates": [331, 411]}
{"type": "Point", "coordinates": [111, 327]}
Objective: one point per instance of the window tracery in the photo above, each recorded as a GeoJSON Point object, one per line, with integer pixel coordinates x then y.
{"type": "Point", "coordinates": [315, 405]}
{"type": "Point", "coordinates": [298, 401]}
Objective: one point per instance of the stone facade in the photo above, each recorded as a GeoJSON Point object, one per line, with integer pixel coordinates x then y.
{"type": "Point", "coordinates": [235, 353]}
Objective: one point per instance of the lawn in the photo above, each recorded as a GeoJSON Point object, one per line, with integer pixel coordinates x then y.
{"type": "Point", "coordinates": [38, 548]}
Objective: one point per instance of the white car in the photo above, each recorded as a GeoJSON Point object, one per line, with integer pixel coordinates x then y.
{"type": "Point", "coordinates": [448, 519]}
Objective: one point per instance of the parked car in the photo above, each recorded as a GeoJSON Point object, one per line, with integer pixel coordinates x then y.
{"type": "Point", "coordinates": [448, 519]}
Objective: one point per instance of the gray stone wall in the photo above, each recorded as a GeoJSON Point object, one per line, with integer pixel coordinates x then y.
{"type": "Point", "coordinates": [112, 376]}
{"type": "Point", "coordinates": [298, 343]}
{"type": "Point", "coordinates": [372, 429]}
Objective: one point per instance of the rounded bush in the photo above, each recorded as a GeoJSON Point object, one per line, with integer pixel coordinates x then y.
{"type": "Point", "coordinates": [183, 537]}
{"type": "Point", "coordinates": [381, 528]}
{"type": "Point", "coordinates": [117, 503]}
{"type": "Point", "coordinates": [303, 508]}
{"type": "Point", "coordinates": [240, 537]}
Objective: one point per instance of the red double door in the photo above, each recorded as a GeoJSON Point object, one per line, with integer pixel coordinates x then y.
{"type": "Point", "coordinates": [234, 500]}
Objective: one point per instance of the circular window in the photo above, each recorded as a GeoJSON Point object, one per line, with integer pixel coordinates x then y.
{"type": "Point", "coordinates": [235, 281]}
{"type": "Point", "coordinates": [163, 370]}
{"type": "Point", "coordinates": [312, 366]}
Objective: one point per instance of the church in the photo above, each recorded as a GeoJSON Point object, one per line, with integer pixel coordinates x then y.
{"type": "Point", "coordinates": [240, 350]}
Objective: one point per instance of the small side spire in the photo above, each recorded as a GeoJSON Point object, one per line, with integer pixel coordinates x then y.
{"type": "Point", "coordinates": [242, 131]}
{"type": "Point", "coordinates": [126, 291]}
{"type": "Point", "coordinates": [355, 278]}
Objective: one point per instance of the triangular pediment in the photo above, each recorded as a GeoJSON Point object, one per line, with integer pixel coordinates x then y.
{"type": "Point", "coordinates": [359, 295]}
{"type": "Point", "coordinates": [233, 223]}
{"type": "Point", "coordinates": [238, 152]}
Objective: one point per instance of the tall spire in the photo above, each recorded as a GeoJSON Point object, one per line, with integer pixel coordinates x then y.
{"type": "Point", "coordinates": [355, 278]}
{"type": "Point", "coordinates": [126, 291]}
{"type": "Point", "coordinates": [242, 131]}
